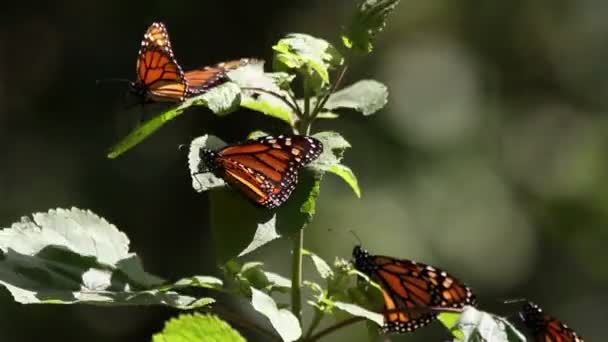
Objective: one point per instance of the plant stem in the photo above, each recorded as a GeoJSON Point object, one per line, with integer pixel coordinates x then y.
{"type": "Point", "coordinates": [293, 106]}
{"type": "Point", "coordinates": [306, 97]}
{"type": "Point", "coordinates": [296, 274]}
{"type": "Point", "coordinates": [335, 86]}
{"type": "Point", "coordinates": [315, 322]}
{"type": "Point", "coordinates": [333, 328]}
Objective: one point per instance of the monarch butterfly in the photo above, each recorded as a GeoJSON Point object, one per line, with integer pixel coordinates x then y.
{"type": "Point", "coordinates": [264, 169]}
{"type": "Point", "coordinates": [545, 328]}
{"type": "Point", "coordinates": [161, 78]}
{"type": "Point", "coordinates": [413, 293]}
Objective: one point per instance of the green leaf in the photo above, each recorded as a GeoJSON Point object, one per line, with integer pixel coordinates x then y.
{"type": "Point", "coordinates": [366, 96]}
{"type": "Point", "coordinates": [251, 274]}
{"type": "Point", "coordinates": [359, 311]}
{"type": "Point", "coordinates": [311, 57]}
{"type": "Point", "coordinates": [221, 100]}
{"type": "Point", "coordinates": [327, 115]}
{"type": "Point", "coordinates": [334, 146]}
{"type": "Point", "coordinates": [473, 325]}
{"type": "Point", "coordinates": [68, 256]}
{"type": "Point", "coordinates": [283, 321]}
{"type": "Point", "coordinates": [320, 264]}
{"type": "Point", "coordinates": [347, 175]}
{"type": "Point", "coordinates": [369, 20]}
{"type": "Point", "coordinates": [264, 92]}
{"type": "Point", "coordinates": [197, 328]}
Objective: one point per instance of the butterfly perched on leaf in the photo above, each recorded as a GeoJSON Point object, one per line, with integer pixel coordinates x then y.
{"type": "Point", "coordinates": [414, 293]}
{"type": "Point", "coordinates": [545, 328]}
{"type": "Point", "coordinates": [160, 78]}
{"type": "Point", "coordinates": [266, 169]}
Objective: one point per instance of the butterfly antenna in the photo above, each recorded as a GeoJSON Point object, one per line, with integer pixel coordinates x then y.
{"type": "Point", "coordinates": [514, 300]}
{"type": "Point", "coordinates": [356, 236]}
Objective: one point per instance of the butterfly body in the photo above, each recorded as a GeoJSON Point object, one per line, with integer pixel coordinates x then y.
{"type": "Point", "coordinates": [265, 169]}
{"type": "Point", "coordinates": [413, 293]}
{"type": "Point", "coordinates": [545, 328]}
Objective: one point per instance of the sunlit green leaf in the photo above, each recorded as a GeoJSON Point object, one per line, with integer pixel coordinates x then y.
{"type": "Point", "coordinates": [347, 175]}
{"type": "Point", "coordinates": [327, 115]}
{"type": "Point", "coordinates": [221, 100]}
{"type": "Point", "coordinates": [359, 311]}
{"type": "Point", "coordinates": [369, 20]}
{"type": "Point", "coordinates": [73, 256]}
{"type": "Point", "coordinates": [282, 320]}
{"type": "Point", "coordinates": [320, 264]}
{"type": "Point", "coordinates": [197, 328]}
{"type": "Point", "coordinates": [367, 97]}
{"type": "Point", "coordinates": [311, 57]}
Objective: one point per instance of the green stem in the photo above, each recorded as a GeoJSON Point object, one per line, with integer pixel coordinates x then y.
{"type": "Point", "coordinates": [335, 86]}
{"type": "Point", "coordinates": [296, 274]}
{"type": "Point", "coordinates": [306, 97]}
{"type": "Point", "coordinates": [292, 105]}
{"type": "Point", "coordinates": [314, 324]}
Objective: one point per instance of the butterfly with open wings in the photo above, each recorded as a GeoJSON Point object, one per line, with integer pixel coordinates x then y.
{"type": "Point", "coordinates": [266, 169]}
{"type": "Point", "coordinates": [413, 293]}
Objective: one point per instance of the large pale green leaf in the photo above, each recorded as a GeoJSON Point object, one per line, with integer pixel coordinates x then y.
{"type": "Point", "coordinates": [473, 325]}
{"type": "Point", "coordinates": [67, 256]}
{"type": "Point", "coordinates": [197, 328]}
{"type": "Point", "coordinates": [366, 96]}
{"type": "Point", "coordinates": [282, 320]}
{"type": "Point", "coordinates": [311, 57]}
{"type": "Point", "coordinates": [221, 100]}
{"type": "Point", "coordinates": [369, 20]}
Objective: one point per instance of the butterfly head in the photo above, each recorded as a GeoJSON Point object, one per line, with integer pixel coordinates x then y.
{"type": "Point", "coordinates": [207, 163]}
{"type": "Point", "coordinates": [532, 315]}
{"type": "Point", "coordinates": [363, 261]}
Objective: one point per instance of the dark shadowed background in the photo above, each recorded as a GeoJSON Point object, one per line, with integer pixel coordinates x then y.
{"type": "Point", "coordinates": [489, 160]}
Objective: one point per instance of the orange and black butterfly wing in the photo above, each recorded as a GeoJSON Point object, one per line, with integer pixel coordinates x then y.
{"type": "Point", "coordinates": [159, 76]}
{"type": "Point", "coordinates": [203, 79]}
{"type": "Point", "coordinates": [413, 292]}
{"type": "Point", "coordinates": [545, 328]}
{"type": "Point", "coordinates": [264, 169]}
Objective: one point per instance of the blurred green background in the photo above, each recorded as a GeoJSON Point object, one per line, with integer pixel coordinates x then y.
{"type": "Point", "coordinates": [488, 161]}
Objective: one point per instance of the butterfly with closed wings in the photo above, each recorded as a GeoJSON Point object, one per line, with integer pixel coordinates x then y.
{"type": "Point", "coordinates": [414, 293]}
{"type": "Point", "coordinates": [545, 328]}
{"type": "Point", "coordinates": [266, 169]}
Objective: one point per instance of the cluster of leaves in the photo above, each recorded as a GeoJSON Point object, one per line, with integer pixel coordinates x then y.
{"type": "Point", "coordinates": [68, 256]}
